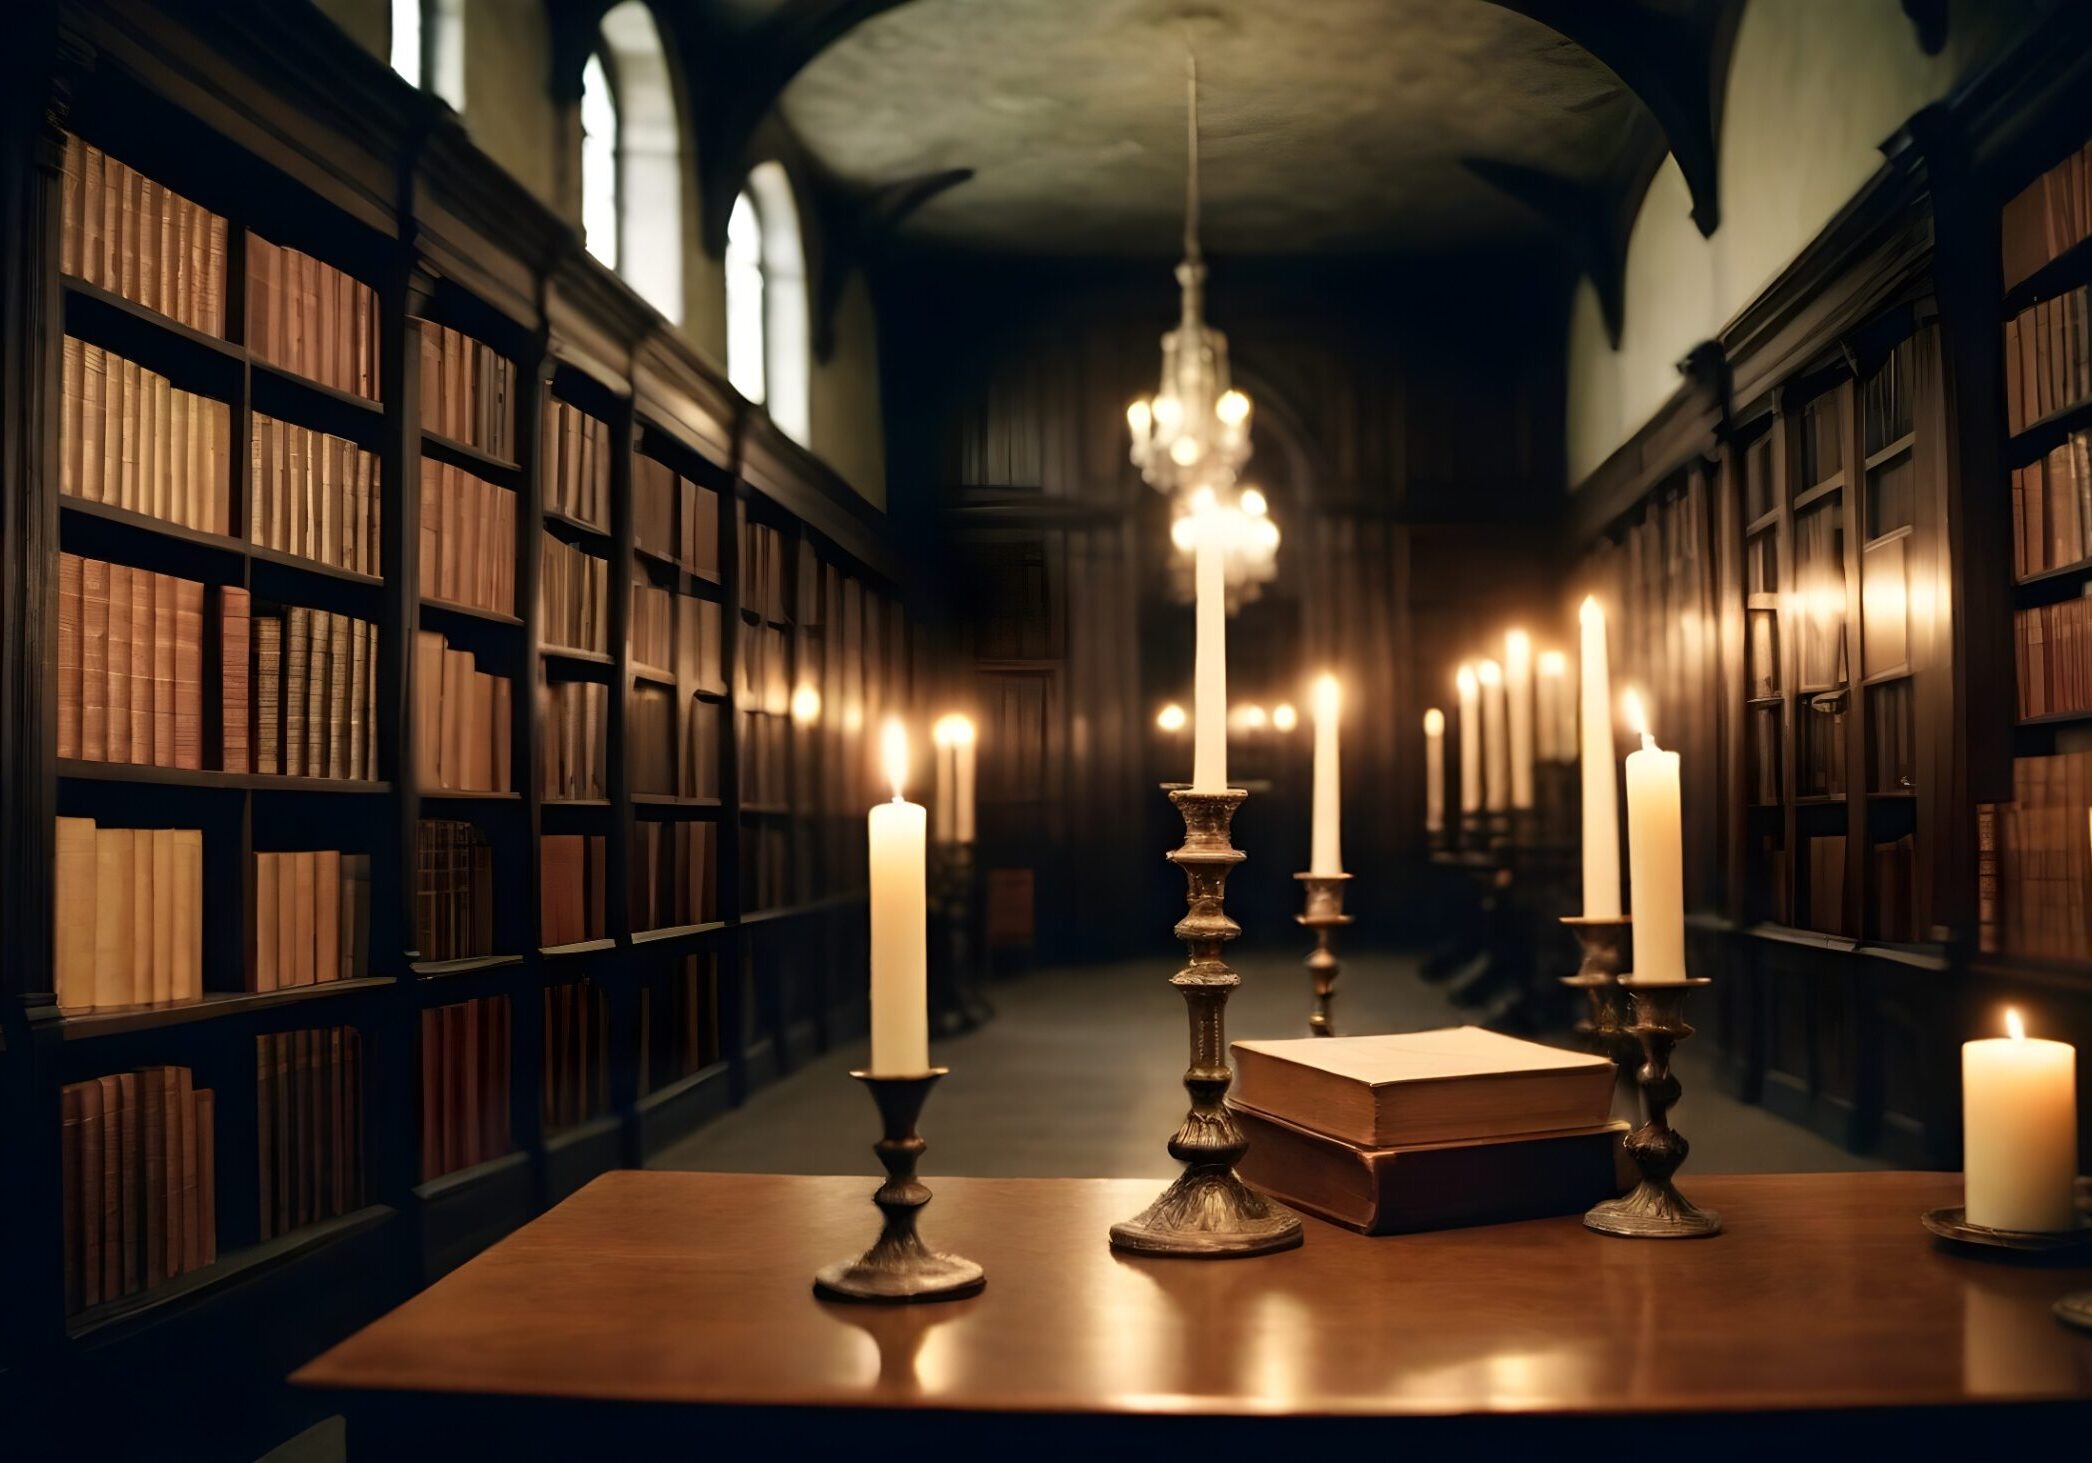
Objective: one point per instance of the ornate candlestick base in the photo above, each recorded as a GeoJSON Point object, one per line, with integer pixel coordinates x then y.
{"type": "Point", "coordinates": [1208, 1213]}
{"type": "Point", "coordinates": [1655, 1209]}
{"type": "Point", "coordinates": [1605, 956]}
{"type": "Point", "coordinates": [900, 1267]}
{"type": "Point", "coordinates": [1324, 915]}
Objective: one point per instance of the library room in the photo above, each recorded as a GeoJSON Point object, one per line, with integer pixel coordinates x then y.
{"type": "Point", "coordinates": [692, 690]}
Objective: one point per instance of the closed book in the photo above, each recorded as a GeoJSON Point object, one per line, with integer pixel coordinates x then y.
{"type": "Point", "coordinates": [156, 896]}
{"type": "Point", "coordinates": [90, 1205]}
{"type": "Point", "coordinates": [327, 912]}
{"type": "Point", "coordinates": [187, 933]}
{"type": "Point", "coordinates": [297, 648]}
{"type": "Point", "coordinates": [75, 924]}
{"type": "Point", "coordinates": [145, 591]}
{"type": "Point", "coordinates": [233, 623]}
{"type": "Point", "coordinates": [164, 625]}
{"type": "Point", "coordinates": [1401, 1089]}
{"type": "Point", "coordinates": [119, 663]}
{"type": "Point", "coordinates": [113, 1166]}
{"type": "Point", "coordinates": [94, 660]}
{"type": "Point", "coordinates": [69, 607]}
{"type": "Point", "coordinates": [114, 871]}
{"type": "Point", "coordinates": [267, 868]}
{"type": "Point", "coordinates": [268, 695]}
{"type": "Point", "coordinates": [339, 688]}
{"type": "Point", "coordinates": [188, 672]}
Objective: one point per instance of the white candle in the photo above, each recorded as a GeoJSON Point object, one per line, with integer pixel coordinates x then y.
{"type": "Point", "coordinates": [942, 798]}
{"type": "Point", "coordinates": [900, 925]}
{"type": "Point", "coordinates": [1325, 852]}
{"type": "Point", "coordinates": [1434, 770]}
{"type": "Point", "coordinates": [1518, 692]}
{"type": "Point", "coordinates": [1655, 856]}
{"type": "Point", "coordinates": [953, 736]}
{"type": "Point", "coordinates": [1566, 691]}
{"type": "Point", "coordinates": [1209, 746]}
{"type": "Point", "coordinates": [1470, 740]}
{"type": "Point", "coordinates": [1496, 757]}
{"type": "Point", "coordinates": [1601, 813]}
{"type": "Point", "coordinates": [2019, 1130]}
{"type": "Point", "coordinates": [1552, 737]}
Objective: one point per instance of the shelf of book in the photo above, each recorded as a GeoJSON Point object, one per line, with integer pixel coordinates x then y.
{"type": "Point", "coordinates": [214, 1006]}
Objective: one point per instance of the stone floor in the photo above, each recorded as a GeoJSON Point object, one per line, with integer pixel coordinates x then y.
{"type": "Point", "coordinates": [1078, 1074]}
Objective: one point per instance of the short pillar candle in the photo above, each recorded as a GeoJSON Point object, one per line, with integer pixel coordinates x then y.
{"type": "Point", "coordinates": [2019, 1131]}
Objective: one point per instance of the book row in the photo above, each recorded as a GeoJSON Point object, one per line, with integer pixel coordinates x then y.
{"type": "Point", "coordinates": [764, 671]}
{"type": "Point", "coordinates": [468, 539]}
{"type": "Point", "coordinates": [311, 319]}
{"type": "Point", "coordinates": [463, 724]}
{"type": "Point", "coordinates": [2053, 646]}
{"type": "Point", "coordinates": [2052, 508]}
{"type": "Point", "coordinates": [683, 1008]}
{"type": "Point", "coordinates": [573, 870]}
{"type": "Point", "coordinates": [674, 875]}
{"type": "Point", "coordinates": [138, 1160]}
{"type": "Point", "coordinates": [129, 437]}
{"type": "Point", "coordinates": [127, 916]}
{"type": "Point", "coordinates": [465, 1074]}
{"type": "Point", "coordinates": [314, 495]}
{"type": "Point", "coordinates": [453, 890]}
{"type": "Point", "coordinates": [650, 736]}
{"type": "Point", "coordinates": [697, 774]}
{"type": "Point", "coordinates": [315, 680]}
{"type": "Point", "coordinates": [573, 597]}
{"type": "Point", "coordinates": [308, 1109]}
{"type": "Point", "coordinates": [2049, 215]}
{"type": "Point", "coordinates": [2034, 862]}
{"type": "Point", "coordinates": [675, 518]}
{"type": "Point", "coordinates": [652, 632]}
{"type": "Point", "coordinates": [131, 236]}
{"type": "Point", "coordinates": [468, 391]}
{"type": "Point", "coordinates": [576, 1054]}
{"type": "Point", "coordinates": [576, 451]}
{"type": "Point", "coordinates": [311, 918]}
{"type": "Point", "coordinates": [766, 866]}
{"type": "Point", "coordinates": [762, 568]}
{"type": "Point", "coordinates": [130, 665]}
{"type": "Point", "coordinates": [577, 734]}
{"type": "Point", "coordinates": [2048, 357]}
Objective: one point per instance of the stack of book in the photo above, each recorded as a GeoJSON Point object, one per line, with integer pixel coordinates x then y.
{"type": "Point", "coordinates": [311, 318]}
{"type": "Point", "coordinates": [1428, 1129]}
{"type": "Point", "coordinates": [2050, 214]}
{"type": "Point", "coordinates": [573, 872]}
{"type": "Point", "coordinates": [453, 890]}
{"type": "Point", "coordinates": [308, 1108]}
{"type": "Point", "coordinates": [127, 917]}
{"type": "Point", "coordinates": [2052, 508]}
{"type": "Point", "coordinates": [2053, 646]}
{"type": "Point", "coordinates": [577, 1054]}
{"type": "Point", "coordinates": [671, 879]}
{"type": "Point", "coordinates": [577, 733]}
{"type": "Point", "coordinates": [138, 1154]}
{"type": "Point", "coordinates": [572, 597]}
{"type": "Point", "coordinates": [314, 495]}
{"type": "Point", "coordinates": [467, 391]}
{"type": "Point", "coordinates": [130, 666]}
{"type": "Point", "coordinates": [2034, 862]}
{"type": "Point", "coordinates": [132, 439]}
{"type": "Point", "coordinates": [315, 690]}
{"type": "Point", "coordinates": [468, 536]}
{"type": "Point", "coordinates": [122, 231]}
{"type": "Point", "coordinates": [462, 720]}
{"type": "Point", "coordinates": [2048, 357]}
{"type": "Point", "coordinates": [311, 918]}
{"type": "Point", "coordinates": [465, 1085]}
{"type": "Point", "coordinates": [575, 448]}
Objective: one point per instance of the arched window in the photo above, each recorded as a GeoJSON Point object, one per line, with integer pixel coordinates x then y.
{"type": "Point", "coordinates": [768, 350]}
{"type": "Point", "coordinates": [428, 46]}
{"type": "Point", "coordinates": [632, 158]}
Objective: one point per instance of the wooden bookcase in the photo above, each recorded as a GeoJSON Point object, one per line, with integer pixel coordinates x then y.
{"type": "Point", "coordinates": [615, 1045]}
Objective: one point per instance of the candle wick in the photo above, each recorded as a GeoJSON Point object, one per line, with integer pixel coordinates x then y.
{"type": "Point", "coordinates": [1648, 742]}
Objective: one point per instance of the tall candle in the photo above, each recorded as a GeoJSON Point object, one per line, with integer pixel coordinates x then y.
{"type": "Point", "coordinates": [1325, 855]}
{"type": "Point", "coordinates": [1434, 770]}
{"type": "Point", "coordinates": [1518, 693]}
{"type": "Point", "coordinates": [1470, 740]}
{"type": "Point", "coordinates": [1496, 758]}
{"type": "Point", "coordinates": [1209, 747]}
{"type": "Point", "coordinates": [2019, 1130]}
{"type": "Point", "coordinates": [1552, 738]}
{"type": "Point", "coordinates": [941, 801]}
{"type": "Point", "coordinates": [954, 738]}
{"type": "Point", "coordinates": [1601, 812]}
{"type": "Point", "coordinates": [1655, 856]}
{"type": "Point", "coordinates": [900, 924]}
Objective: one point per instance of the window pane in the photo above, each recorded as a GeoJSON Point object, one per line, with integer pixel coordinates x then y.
{"type": "Point", "coordinates": [598, 163]}
{"type": "Point", "coordinates": [744, 299]}
{"type": "Point", "coordinates": [406, 39]}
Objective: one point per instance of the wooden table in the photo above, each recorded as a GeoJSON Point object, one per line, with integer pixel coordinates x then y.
{"type": "Point", "coordinates": [676, 1308]}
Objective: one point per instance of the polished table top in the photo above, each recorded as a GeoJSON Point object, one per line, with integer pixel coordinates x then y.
{"type": "Point", "coordinates": [1824, 1292]}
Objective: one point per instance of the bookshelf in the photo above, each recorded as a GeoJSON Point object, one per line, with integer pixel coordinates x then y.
{"type": "Point", "coordinates": [505, 1051]}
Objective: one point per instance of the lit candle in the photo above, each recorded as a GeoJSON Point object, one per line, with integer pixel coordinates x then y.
{"type": "Point", "coordinates": [1209, 746]}
{"type": "Point", "coordinates": [1601, 813]}
{"type": "Point", "coordinates": [941, 803]}
{"type": "Point", "coordinates": [1518, 692]}
{"type": "Point", "coordinates": [1496, 757]}
{"type": "Point", "coordinates": [1655, 856]}
{"type": "Point", "coordinates": [953, 736]}
{"type": "Point", "coordinates": [2019, 1130]}
{"type": "Point", "coordinates": [1434, 770]}
{"type": "Point", "coordinates": [900, 924]}
{"type": "Point", "coordinates": [1470, 740]}
{"type": "Point", "coordinates": [1551, 727]}
{"type": "Point", "coordinates": [1326, 855]}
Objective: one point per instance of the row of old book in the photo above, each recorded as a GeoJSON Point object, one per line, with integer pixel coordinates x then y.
{"type": "Point", "coordinates": [2053, 647]}
{"type": "Point", "coordinates": [2050, 215]}
{"type": "Point", "coordinates": [315, 678]}
{"type": "Point", "coordinates": [127, 916]}
{"type": "Point", "coordinates": [463, 726]}
{"type": "Point", "coordinates": [130, 666]}
{"type": "Point", "coordinates": [573, 597]}
{"type": "Point", "coordinates": [764, 671]}
{"type": "Point", "coordinates": [453, 890]}
{"type": "Point", "coordinates": [468, 539]}
{"type": "Point", "coordinates": [679, 636]}
{"type": "Point", "coordinates": [674, 875]}
{"type": "Point", "coordinates": [308, 1109]}
{"type": "Point", "coordinates": [1427, 1130]}
{"type": "Point", "coordinates": [2034, 861]}
{"type": "Point", "coordinates": [138, 1164]}
{"type": "Point", "coordinates": [2052, 508]}
{"type": "Point", "coordinates": [572, 872]}
{"type": "Point", "coordinates": [468, 391]}
{"type": "Point", "coordinates": [650, 735]}
{"type": "Point", "coordinates": [652, 631]}
{"type": "Point", "coordinates": [576, 1054]}
{"type": "Point", "coordinates": [311, 918]}
{"type": "Point", "coordinates": [762, 567]}
{"type": "Point", "coordinates": [697, 765]}
{"type": "Point", "coordinates": [314, 495]}
{"type": "Point", "coordinates": [465, 1072]}
{"type": "Point", "coordinates": [122, 231]}
{"type": "Point", "coordinates": [576, 451]}
{"type": "Point", "coordinates": [575, 758]}
{"type": "Point", "coordinates": [675, 518]}
{"type": "Point", "coordinates": [130, 438]}
{"type": "Point", "coordinates": [311, 318]}
{"type": "Point", "coordinates": [683, 1008]}
{"type": "Point", "coordinates": [2048, 357]}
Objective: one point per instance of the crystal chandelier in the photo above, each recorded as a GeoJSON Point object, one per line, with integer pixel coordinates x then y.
{"type": "Point", "coordinates": [1192, 438]}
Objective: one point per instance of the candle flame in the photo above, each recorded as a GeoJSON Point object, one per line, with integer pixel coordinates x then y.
{"type": "Point", "coordinates": [1283, 717]}
{"type": "Point", "coordinates": [1590, 612]}
{"type": "Point", "coordinates": [2014, 1027]}
{"type": "Point", "coordinates": [1328, 697]}
{"type": "Point", "coordinates": [1553, 664]}
{"type": "Point", "coordinates": [1491, 673]}
{"type": "Point", "coordinates": [1518, 649]}
{"type": "Point", "coordinates": [1434, 723]}
{"type": "Point", "coordinates": [1171, 718]}
{"type": "Point", "coordinates": [1632, 712]}
{"type": "Point", "coordinates": [1464, 678]}
{"type": "Point", "coordinates": [894, 753]}
{"type": "Point", "coordinates": [952, 730]}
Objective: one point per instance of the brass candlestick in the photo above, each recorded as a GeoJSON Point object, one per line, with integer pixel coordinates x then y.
{"type": "Point", "coordinates": [1605, 945]}
{"type": "Point", "coordinates": [1324, 915]}
{"type": "Point", "coordinates": [900, 1267]}
{"type": "Point", "coordinates": [1208, 1213]}
{"type": "Point", "coordinates": [1655, 1209]}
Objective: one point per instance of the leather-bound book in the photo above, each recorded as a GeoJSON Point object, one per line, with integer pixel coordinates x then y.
{"type": "Point", "coordinates": [75, 925]}
{"type": "Point", "coordinates": [297, 653]}
{"type": "Point", "coordinates": [156, 896]}
{"type": "Point", "coordinates": [71, 1106]}
{"type": "Point", "coordinates": [339, 689]}
{"type": "Point", "coordinates": [188, 672]}
{"type": "Point", "coordinates": [114, 871]}
{"type": "Point", "coordinates": [153, 1195]}
{"type": "Point", "coordinates": [268, 694]}
{"type": "Point", "coordinates": [187, 934]}
{"type": "Point", "coordinates": [503, 719]}
{"type": "Point", "coordinates": [357, 764]}
{"type": "Point", "coordinates": [304, 917]}
{"type": "Point", "coordinates": [266, 870]}
{"type": "Point", "coordinates": [326, 920]}
{"type": "Point", "coordinates": [370, 700]}
{"type": "Point", "coordinates": [145, 591]}
{"type": "Point", "coordinates": [191, 1153]}
{"type": "Point", "coordinates": [318, 678]}
{"type": "Point", "coordinates": [233, 632]}
{"type": "Point", "coordinates": [119, 663]}
{"type": "Point", "coordinates": [131, 1133]}
{"type": "Point", "coordinates": [1432, 1185]}
{"type": "Point", "coordinates": [69, 608]}
{"type": "Point", "coordinates": [113, 1166]}
{"type": "Point", "coordinates": [90, 1185]}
